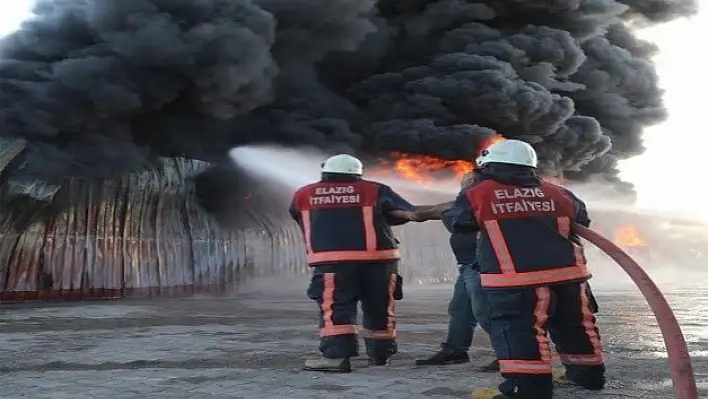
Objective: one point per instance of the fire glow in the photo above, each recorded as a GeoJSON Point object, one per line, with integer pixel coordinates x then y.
{"type": "Point", "coordinates": [629, 237]}
{"type": "Point", "coordinates": [423, 168]}
{"type": "Point", "coordinates": [427, 169]}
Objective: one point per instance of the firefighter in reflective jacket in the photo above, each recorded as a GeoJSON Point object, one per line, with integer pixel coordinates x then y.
{"type": "Point", "coordinates": [346, 222]}
{"type": "Point", "coordinates": [533, 272]}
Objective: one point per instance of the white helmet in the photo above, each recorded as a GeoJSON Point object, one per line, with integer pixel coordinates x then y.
{"type": "Point", "coordinates": [344, 164]}
{"type": "Point", "coordinates": [513, 152]}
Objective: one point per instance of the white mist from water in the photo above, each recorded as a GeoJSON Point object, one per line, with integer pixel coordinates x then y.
{"type": "Point", "coordinates": [291, 168]}
{"type": "Point", "coordinates": [295, 167]}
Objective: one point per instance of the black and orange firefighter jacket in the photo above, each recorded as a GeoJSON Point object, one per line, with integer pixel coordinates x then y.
{"type": "Point", "coordinates": [525, 227]}
{"type": "Point", "coordinates": [348, 221]}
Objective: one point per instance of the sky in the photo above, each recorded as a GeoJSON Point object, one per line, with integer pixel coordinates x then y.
{"type": "Point", "coordinates": [672, 165]}
{"type": "Point", "coordinates": [665, 174]}
{"type": "Point", "coordinates": [12, 12]}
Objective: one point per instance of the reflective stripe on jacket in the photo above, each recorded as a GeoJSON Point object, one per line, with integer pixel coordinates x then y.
{"type": "Point", "coordinates": [346, 222]}
{"type": "Point", "coordinates": [525, 235]}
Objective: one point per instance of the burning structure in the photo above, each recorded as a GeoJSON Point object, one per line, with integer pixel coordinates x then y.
{"type": "Point", "coordinates": [116, 116]}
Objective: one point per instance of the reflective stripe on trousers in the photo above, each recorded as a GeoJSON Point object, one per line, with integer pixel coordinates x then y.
{"type": "Point", "coordinates": [330, 329]}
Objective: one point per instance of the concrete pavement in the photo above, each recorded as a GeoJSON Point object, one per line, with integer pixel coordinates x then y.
{"type": "Point", "coordinates": [252, 346]}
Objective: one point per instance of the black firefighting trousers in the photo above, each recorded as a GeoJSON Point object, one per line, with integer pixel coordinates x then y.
{"type": "Point", "coordinates": [520, 320]}
{"type": "Point", "coordinates": [338, 288]}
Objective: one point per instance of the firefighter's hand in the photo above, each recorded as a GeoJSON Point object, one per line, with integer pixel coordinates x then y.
{"type": "Point", "coordinates": [417, 217]}
{"type": "Point", "coordinates": [407, 215]}
{"type": "Point", "coordinates": [430, 212]}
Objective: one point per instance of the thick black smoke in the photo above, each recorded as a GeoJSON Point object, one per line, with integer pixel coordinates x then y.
{"type": "Point", "coordinates": [98, 88]}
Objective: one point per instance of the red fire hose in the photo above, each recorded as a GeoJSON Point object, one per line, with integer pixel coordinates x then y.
{"type": "Point", "coordinates": [676, 349]}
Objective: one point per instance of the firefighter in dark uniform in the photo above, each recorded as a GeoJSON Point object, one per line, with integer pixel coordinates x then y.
{"type": "Point", "coordinates": [346, 222]}
{"type": "Point", "coordinates": [468, 306]}
{"type": "Point", "coordinates": [533, 272]}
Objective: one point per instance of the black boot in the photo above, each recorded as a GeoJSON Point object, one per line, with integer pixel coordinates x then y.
{"type": "Point", "coordinates": [491, 367]}
{"type": "Point", "coordinates": [329, 365]}
{"type": "Point", "coordinates": [378, 361]}
{"type": "Point", "coordinates": [597, 384]}
{"type": "Point", "coordinates": [589, 377]}
{"type": "Point", "coordinates": [445, 357]}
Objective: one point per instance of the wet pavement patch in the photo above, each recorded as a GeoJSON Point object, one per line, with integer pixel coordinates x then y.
{"type": "Point", "coordinates": [329, 387]}
{"type": "Point", "coordinates": [444, 391]}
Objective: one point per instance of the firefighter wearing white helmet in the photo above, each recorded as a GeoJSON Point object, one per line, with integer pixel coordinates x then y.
{"type": "Point", "coordinates": [533, 272]}
{"type": "Point", "coordinates": [510, 152]}
{"type": "Point", "coordinates": [346, 223]}
{"type": "Point", "coordinates": [344, 164]}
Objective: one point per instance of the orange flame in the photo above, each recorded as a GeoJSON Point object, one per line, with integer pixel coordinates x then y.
{"type": "Point", "coordinates": [421, 168]}
{"type": "Point", "coordinates": [426, 169]}
{"type": "Point", "coordinates": [629, 237]}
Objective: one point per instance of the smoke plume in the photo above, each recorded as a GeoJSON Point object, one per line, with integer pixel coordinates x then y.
{"type": "Point", "coordinates": [99, 88]}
